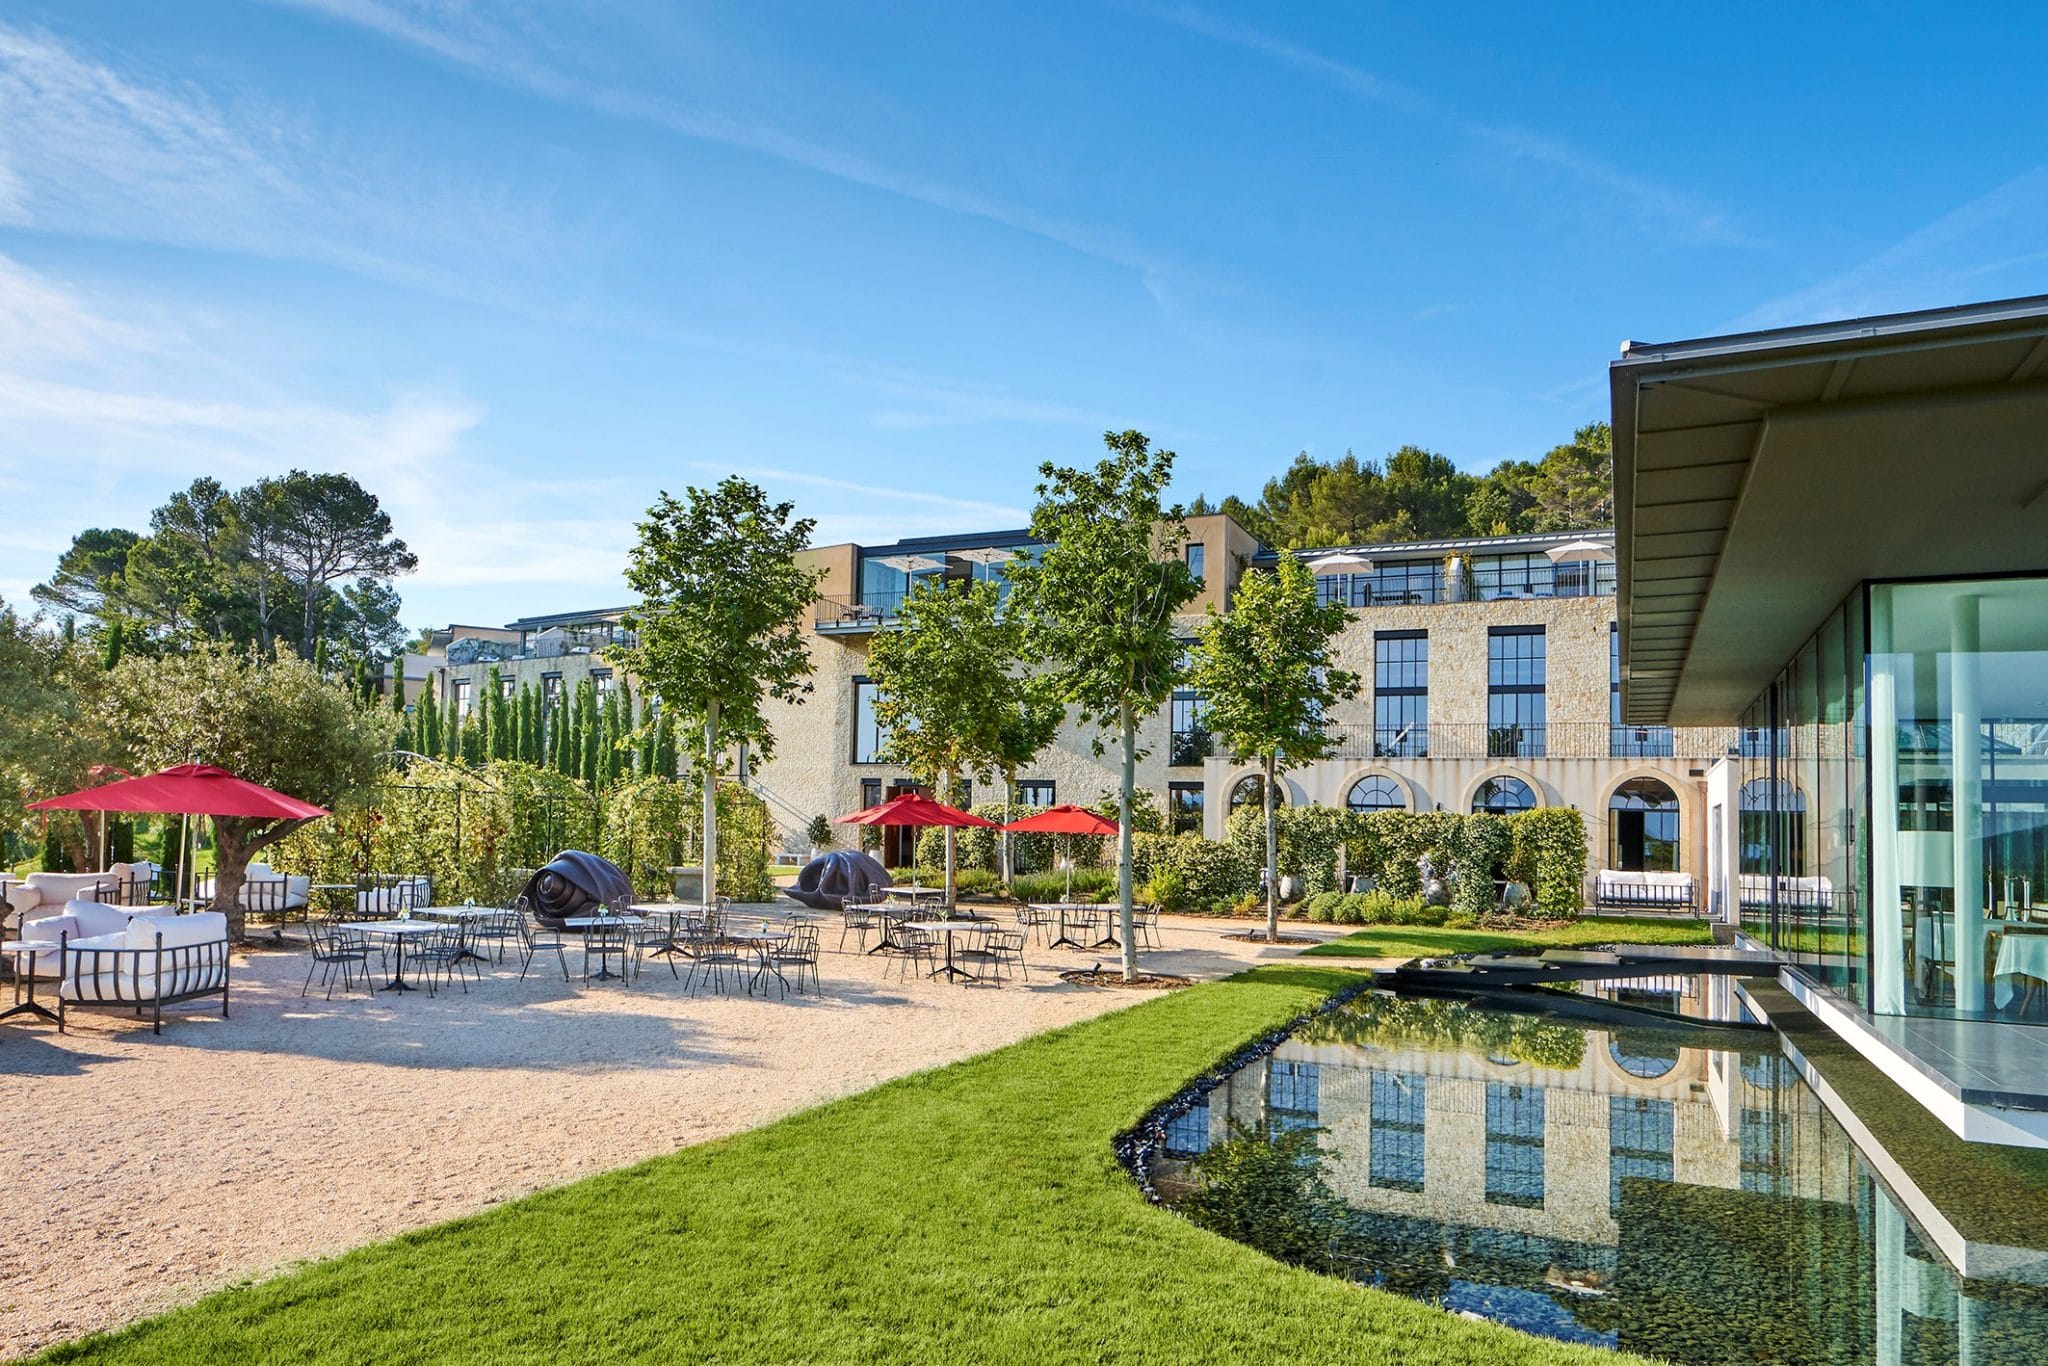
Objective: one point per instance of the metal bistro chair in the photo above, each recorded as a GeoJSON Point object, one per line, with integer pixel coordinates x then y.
{"type": "Point", "coordinates": [604, 941]}
{"type": "Point", "coordinates": [492, 934]}
{"type": "Point", "coordinates": [535, 938]}
{"type": "Point", "coordinates": [1145, 926]}
{"type": "Point", "coordinates": [1000, 949]}
{"type": "Point", "coordinates": [712, 956]}
{"type": "Point", "coordinates": [857, 918]}
{"type": "Point", "coordinates": [659, 936]}
{"type": "Point", "coordinates": [445, 955]}
{"type": "Point", "coordinates": [1032, 921]}
{"type": "Point", "coordinates": [336, 952]}
{"type": "Point", "coordinates": [800, 953]}
{"type": "Point", "coordinates": [915, 948]}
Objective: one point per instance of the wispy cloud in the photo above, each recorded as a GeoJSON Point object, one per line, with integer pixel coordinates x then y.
{"type": "Point", "coordinates": [126, 409]}
{"type": "Point", "coordinates": [877, 510]}
{"type": "Point", "coordinates": [1656, 205]}
{"type": "Point", "coordinates": [1957, 256]}
{"type": "Point", "coordinates": [99, 150]}
{"type": "Point", "coordinates": [516, 49]}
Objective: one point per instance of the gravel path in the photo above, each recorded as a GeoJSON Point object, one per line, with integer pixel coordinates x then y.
{"type": "Point", "coordinates": [148, 1170]}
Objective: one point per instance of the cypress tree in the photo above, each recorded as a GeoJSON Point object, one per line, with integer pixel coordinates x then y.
{"type": "Point", "coordinates": [427, 723]}
{"type": "Point", "coordinates": [398, 684]}
{"type": "Point", "coordinates": [664, 747]}
{"type": "Point", "coordinates": [116, 639]}
{"type": "Point", "coordinates": [451, 728]}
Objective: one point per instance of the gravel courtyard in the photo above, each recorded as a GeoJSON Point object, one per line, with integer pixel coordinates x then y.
{"type": "Point", "coordinates": [150, 1170]}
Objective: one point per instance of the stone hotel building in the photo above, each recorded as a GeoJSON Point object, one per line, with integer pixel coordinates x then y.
{"type": "Point", "coordinates": [1489, 664]}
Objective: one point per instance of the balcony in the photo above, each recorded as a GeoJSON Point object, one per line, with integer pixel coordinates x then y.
{"type": "Point", "coordinates": [1559, 740]}
{"type": "Point", "coordinates": [855, 616]}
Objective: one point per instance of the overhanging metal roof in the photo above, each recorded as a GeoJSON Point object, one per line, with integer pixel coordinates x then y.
{"type": "Point", "coordinates": [1759, 477]}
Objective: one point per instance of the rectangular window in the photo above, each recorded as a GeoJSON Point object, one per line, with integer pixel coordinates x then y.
{"type": "Point", "coordinates": [1034, 792]}
{"type": "Point", "coordinates": [1293, 1096]}
{"type": "Point", "coordinates": [550, 690]}
{"type": "Point", "coordinates": [601, 682]}
{"type": "Point", "coordinates": [462, 697]}
{"type": "Point", "coordinates": [508, 688]}
{"type": "Point", "coordinates": [1189, 744]}
{"type": "Point", "coordinates": [870, 792]}
{"type": "Point", "coordinates": [1184, 807]}
{"type": "Point", "coordinates": [1196, 556]}
{"type": "Point", "coordinates": [869, 734]}
{"type": "Point", "coordinates": [1629, 742]}
{"type": "Point", "coordinates": [1639, 1143]}
{"type": "Point", "coordinates": [1514, 1145]}
{"type": "Point", "coordinates": [1187, 1133]}
{"type": "Point", "coordinates": [1400, 694]}
{"type": "Point", "coordinates": [1396, 1135]}
{"type": "Point", "coordinates": [1516, 671]}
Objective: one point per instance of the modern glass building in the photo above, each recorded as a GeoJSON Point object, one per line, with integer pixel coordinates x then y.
{"type": "Point", "coordinates": [1837, 536]}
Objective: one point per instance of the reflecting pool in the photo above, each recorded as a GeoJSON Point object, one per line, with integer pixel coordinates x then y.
{"type": "Point", "coordinates": [1621, 1187]}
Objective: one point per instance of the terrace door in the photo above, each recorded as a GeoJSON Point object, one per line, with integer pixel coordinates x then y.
{"type": "Point", "coordinates": [899, 842]}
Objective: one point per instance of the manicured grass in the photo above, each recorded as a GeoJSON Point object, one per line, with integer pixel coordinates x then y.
{"type": "Point", "coordinates": [973, 1213]}
{"type": "Point", "coordinates": [1412, 941]}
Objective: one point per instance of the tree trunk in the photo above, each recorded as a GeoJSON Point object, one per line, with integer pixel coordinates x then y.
{"type": "Point", "coordinates": [1009, 792]}
{"type": "Point", "coordinates": [1272, 862]}
{"type": "Point", "coordinates": [1123, 839]}
{"type": "Point", "coordinates": [236, 839]}
{"type": "Point", "coordinates": [946, 796]}
{"type": "Point", "coordinates": [711, 805]}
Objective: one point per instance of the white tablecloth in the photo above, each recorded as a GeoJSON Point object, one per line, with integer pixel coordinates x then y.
{"type": "Point", "coordinates": [2020, 954]}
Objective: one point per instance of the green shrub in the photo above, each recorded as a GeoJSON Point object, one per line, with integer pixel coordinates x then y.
{"type": "Point", "coordinates": [1214, 874]}
{"type": "Point", "coordinates": [1167, 890]}
{"type": "Point", "coordinates": [1548, 851]}
{"type": "Point", "coordinates": [1322, 907]}
{"type": "Point", "coordinates": [1460, 920]}
{"type": "Point", "coordinates": [1480, 849]}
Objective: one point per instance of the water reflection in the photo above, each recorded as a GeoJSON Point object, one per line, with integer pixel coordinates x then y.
{"type": "Point", "coordinates": [1616, 1187]}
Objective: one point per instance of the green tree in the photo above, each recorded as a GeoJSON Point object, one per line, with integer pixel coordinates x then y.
{"type": "Point", "coordinates": [271, 720]}
{"type": "Point", "coordinates": [310, 531]}
{"type": "Point", "coordinates": [1264, 668]}
{"type": "Point", "coordinates": [950, 688]}
{"type": "Point", "coordinates": [1100, 602]}
{"type": "Point", "coordinates": [51, 732]}
{"type": "Point", "coordinates": [719, 626]}
{"type": "Point", "coordinates": [89, 573]}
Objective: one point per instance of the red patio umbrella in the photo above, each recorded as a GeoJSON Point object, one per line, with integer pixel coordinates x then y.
{"type": "Point", "coordinates": [913, 808]}
{"type": "Point", "coordinates": [186, 790]}
{"type": "Point", "coordinates": [1065, 819]}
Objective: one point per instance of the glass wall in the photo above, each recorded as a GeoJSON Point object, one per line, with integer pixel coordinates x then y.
{"type": "Point", "coordinates": [1893, 822]}
{"type": "Point", "coordinates": [1959, 781]}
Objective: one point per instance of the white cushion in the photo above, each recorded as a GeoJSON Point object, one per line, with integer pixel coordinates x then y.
{"type": "Point", "coordinates": [177, 930]}
{"type": "Point", "coordinates": [57, 888]}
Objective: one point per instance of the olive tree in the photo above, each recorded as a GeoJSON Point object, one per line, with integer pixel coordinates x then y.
{"type": "Point", "coordinates": [719, 629]}
{"type": "Point", "coordinates": [271, 720]}
{"type": "Point", "coordinates": [1264, 671]}
{"type": "Point", "coordinates": [1099, 602]}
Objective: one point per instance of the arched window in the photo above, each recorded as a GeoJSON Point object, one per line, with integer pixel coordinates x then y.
{"type": "Point", "coordinates": [1642, 827]}
{"type": "Point", "coordinates": [1762, 802]}
{"type": "Point", "coordinates": [1503, 797]}
{"type": "Point", "coordinates": [1643, 1058]}
{"type": "Point", "coordinates": [1250, 791]}
{"type": "Point", "coordinates": [1376, 792]}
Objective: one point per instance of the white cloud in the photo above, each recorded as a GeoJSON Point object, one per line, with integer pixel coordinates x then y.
{"type": "Point", "coordinates": [95, 151]}
{"type": "Point", "coordinates": [100, 429]}
{"type": "Point", "coordinates": [516, 48]}
{"type": "Point", "coordinates": [1656, 205]}
{"type": "Point", "coordinates": [1955, 257]}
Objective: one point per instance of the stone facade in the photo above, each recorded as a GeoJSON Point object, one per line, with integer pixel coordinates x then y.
{"type": "Point", "coordinates": [1581, 762]}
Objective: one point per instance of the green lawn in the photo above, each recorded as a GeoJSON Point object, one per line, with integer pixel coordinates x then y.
{"type": "Point", "coordinates": [1405, 941]}
{"type": "Point", "coordinates": [973, 1213]}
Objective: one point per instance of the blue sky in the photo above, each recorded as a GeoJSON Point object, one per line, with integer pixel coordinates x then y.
{"type": "Point", "coordinates": [517, 266]}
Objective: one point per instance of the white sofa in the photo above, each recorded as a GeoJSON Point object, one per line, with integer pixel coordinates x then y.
{"type": "Point", "coordinates": [264, 889]}
{"type": "Point", "coordinates": [43, 892]}
{"type": "Point", "coordinates": [394, 896]}
{"type": "Point", "coordinates": [1618, 890]}
{"type": "Point", "coordinates": [146, 963]}
{"type": "Point", "coordinates": [1794, 894]}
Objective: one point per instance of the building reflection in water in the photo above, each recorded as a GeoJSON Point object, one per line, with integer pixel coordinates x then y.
{"type": "Point", "coordinates": [1603, 1186]}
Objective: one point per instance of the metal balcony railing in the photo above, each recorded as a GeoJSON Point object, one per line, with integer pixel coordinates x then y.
{"type": "Point", "coordinates": [1559, 740]}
